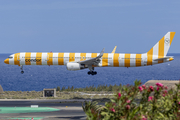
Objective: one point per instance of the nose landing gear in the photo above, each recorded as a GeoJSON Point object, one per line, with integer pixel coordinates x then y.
{"type": "Point", "coordinates": [22, 69]}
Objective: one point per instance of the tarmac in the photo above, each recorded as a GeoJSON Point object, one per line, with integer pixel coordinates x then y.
{"type": "Point", "coordinates": [47, 109]}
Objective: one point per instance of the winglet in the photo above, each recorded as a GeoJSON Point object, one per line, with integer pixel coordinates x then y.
{"type": "Point", "coordinates": [101, 54]}
{"type": "Point", "coordinates": [114, 50]}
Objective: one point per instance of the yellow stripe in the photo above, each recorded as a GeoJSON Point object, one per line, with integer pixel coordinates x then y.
{"type": "Point", "coordinates": [105, 59]}
{"type": "Point", "coordinates": [27, 58]}
{"type": "Point", "coordinates": [161, 50]}
{"type": "Point", "coordinates": [38, 58]}
{"type": "Point", "coordinates": [50, 59]}
{"type": "Point", "coordinates": [71, 57]}
{"type": "Point", "coordinates": [93, 55]}
{"type": "Point", "coordinates": [61, 59]}
{"type": "Point", "coordinates": [138, 59]}
{"type": "Point", "coordinates": [127, 60]}
{"type": "Point", "coordinates": [150, 57]}
{"type": "Point", "coordinates": [115, 60]}
{"type": "Point", "coordinates": [83, 56]}
{"type": "Point", "coordinates": [16, 59]}
{"type": "Point", "coordinates": [171, 36]}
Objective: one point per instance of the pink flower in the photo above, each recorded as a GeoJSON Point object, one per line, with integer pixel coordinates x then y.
{"type": "Point", "coordinates": [119, 95]}
{"type": "Point", "coordinates": [128, 107]}
{"type": "Point", "coordinates": [113, 110]}
{"type": "Point", "coordinates": [150, 98]}
{"type": "Point", "coordinates": [144, 86]}
{"type": "Point", "coordinates": [143, 117]}
{"type": "Point", "coordinates": [140, 88]}
{"type": "Point", "coordinates": [151, 88]}
{"type": "Point", "coordinates": [166, 87]}
{"type": "Point", "coordinates": [165, 92]}
{"type": "Point", "coordinates": [179, 103]}
{"type": "Point", "coordinates": [159, 84]}
{"type": "Point", "coordinates": [157, 88]}
{"type": "Point", "coordinates": [128, 101]}
{"type": "Point", "coordinates": [164, 95]}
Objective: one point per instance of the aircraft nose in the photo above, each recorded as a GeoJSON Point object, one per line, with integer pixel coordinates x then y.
{"type": "Point", "coordinates": [6, 61]}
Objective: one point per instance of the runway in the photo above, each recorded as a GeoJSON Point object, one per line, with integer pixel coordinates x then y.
{"type": "Point", "coordinates": [67, 109]}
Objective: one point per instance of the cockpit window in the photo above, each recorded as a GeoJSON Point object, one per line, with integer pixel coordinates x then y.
{"type": "Point", "coordinates": [10, 57]}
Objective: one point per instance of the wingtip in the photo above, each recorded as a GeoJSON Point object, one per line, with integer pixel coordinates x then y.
{"type": "Point", "coordinates": [114, 50]}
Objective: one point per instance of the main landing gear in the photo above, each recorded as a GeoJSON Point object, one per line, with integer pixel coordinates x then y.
{"type": "Point", "coordinates": [22, 69]}
{"type": "Point", "coordinates": [92, 73]}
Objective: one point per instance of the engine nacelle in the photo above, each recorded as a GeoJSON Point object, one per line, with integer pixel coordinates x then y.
{"type": "Point", "coordinates": [74, 66]}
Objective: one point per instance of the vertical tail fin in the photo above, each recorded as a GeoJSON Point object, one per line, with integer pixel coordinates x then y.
{"type": "Point", "coordinates": [161, 48]}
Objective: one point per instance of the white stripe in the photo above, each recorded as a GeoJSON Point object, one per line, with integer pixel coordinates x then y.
{"type": "Point", "coordinates": [77, 57]}
{"type": "Point", "coordinates": [121, 60]}
{"type": "Point", "coordinates": [55, 58]}
{"type": "Point", "coordinates": [11, 61]}
{"type": "Point", "coordinates": [155, 53]}
{"type": "Point", "coordinates": [66, 58]}
{"type": "Point", "coordinates": [110, 59]}
{"type": "Point", "coordinates": [33, 57]}
{"type": "Point", "coordinates": [88, 56]}
{"type": "Point", "coordinates": [44, 58]}
{"type": "Point", "coordinates": [22, 58]}
{"type": "Point", "coordinates": [156, 49]}
{"type": "Point", "coordinates": [144, 59]}
{"type": "Point", "coordinates": [132, 60]}
{"type": "Point", "coordinates": [155, 57]}
{"type": "Point", "coordinates": [166, 43]}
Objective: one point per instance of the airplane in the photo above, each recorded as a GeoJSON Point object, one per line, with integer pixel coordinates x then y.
{"type": "Point", "coordinates": [78, 61]}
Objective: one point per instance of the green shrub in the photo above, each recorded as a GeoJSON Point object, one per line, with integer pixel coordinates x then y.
{"type": "Point", "coordinates": [138, 103]}
{"type": "Point", "coordinates": [58, 88]}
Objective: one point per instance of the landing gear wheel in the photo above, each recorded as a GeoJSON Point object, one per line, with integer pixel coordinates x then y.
{"type": "Point", "coordinates": [89, 73]}
{"type": "Point", "coordinates": [92, 73]}
{"type": "Point", "coordinates": [22, 72]}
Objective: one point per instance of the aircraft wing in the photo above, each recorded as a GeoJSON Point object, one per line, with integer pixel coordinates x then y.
{"type": "Point", "coordinates": [93, 61]}
{"type": "Point", "coordinates": [164, 58]}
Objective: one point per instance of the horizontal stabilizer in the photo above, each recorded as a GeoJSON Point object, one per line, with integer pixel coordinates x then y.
{"type": "Point", "coordinates": [164, 58]}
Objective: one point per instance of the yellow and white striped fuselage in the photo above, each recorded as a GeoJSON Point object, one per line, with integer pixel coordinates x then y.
{"type": "Point", "coordinates": [107, 60]}
{"type": "Point", "coordinates": [77, 61]}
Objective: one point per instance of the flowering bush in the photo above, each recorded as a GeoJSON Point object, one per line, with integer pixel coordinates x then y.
{"type": "Point", "coordinates": [154, 103]}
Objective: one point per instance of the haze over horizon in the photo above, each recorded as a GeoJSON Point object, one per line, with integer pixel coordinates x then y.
{"type": "Point", "coordinates": [87, 26]}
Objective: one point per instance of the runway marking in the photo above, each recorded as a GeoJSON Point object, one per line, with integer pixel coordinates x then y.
{"type": "Point", "coordinates": [4, 110]}
{"type": "Point", "coordinates": [27, 118]}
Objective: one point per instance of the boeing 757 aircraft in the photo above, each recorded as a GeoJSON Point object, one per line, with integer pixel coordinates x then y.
{"type": "Point", "coordinates": [78, 61]}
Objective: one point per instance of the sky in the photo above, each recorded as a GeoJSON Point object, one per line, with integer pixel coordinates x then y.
{"type": "Point", "coordinates": [87, 25]}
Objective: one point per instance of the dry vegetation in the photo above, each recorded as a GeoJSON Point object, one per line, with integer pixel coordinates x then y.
{"type": "Point", "coordinates": [66, 93]}
{"type": "Point", "coordinates": [60, 95]}
{"type": "Point", "coordinates": [69, 93]}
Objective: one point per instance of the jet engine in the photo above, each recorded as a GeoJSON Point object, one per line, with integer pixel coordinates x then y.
{"type": "Point", "coordinates": [75, 66]}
